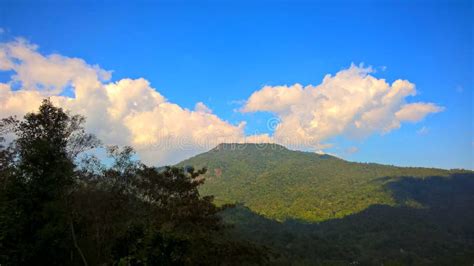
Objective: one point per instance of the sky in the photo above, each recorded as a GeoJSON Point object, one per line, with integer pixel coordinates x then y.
{"type": "Point", "coordinates": [368, 81]}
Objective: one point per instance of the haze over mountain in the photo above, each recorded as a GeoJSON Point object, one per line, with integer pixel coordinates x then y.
{"type": "Point", "coordinates": [285, 184]}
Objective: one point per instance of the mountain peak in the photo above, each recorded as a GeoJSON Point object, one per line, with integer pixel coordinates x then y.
{"type": "Point", "coordinates": [248, 146]}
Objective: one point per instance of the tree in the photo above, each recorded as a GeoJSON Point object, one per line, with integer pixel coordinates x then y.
{"type": "Point", "coordinates": [143, 215]}
{"type": "Point", "coordinates": [58, 209]}
{"type": "Point", "coordinates": [36, 226]}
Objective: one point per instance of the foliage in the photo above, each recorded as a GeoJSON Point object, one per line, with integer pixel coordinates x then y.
{"type": "Point", "coordinates": [316, 209]}
{"type": "Point", "coordinates": [36, 188]}
{"type": "Point", "coordinates": [441, 233]}
{"type": "Point", "coordinates": [58, 209]}
{"type": "Point", "coordinates": [284, 184]}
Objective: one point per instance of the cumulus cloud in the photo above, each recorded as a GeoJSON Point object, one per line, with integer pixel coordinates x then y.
{"type": "Point", "coordinates": [202, 108]}
{"type": "Point", "coordinates": [125, 112]}
{"type": "Point", "coordinates": [275, 99]}
{"type": "Point", "coordinates": [48, 74]}
{"type": "Point", "coordinates": [415, 112]}
{"type": "Point", "coordinates": [352, 103]}
{"type": "Point", "coordinates": [132, 112]}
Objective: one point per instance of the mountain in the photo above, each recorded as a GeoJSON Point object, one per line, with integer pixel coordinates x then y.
{"type": "Point", "coordinates": [314, 209]}
{"type": "Point", "coordinates": [279, 183]}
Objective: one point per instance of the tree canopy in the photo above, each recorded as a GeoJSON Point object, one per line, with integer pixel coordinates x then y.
{"type": "Point", "coordinates": [61, 205]}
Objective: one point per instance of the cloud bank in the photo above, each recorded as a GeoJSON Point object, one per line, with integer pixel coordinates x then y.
{"type": "Point", "coordinates": [351, 103]}
{"type": "Point", "coordinates": [131, 112]}
{"type": "Point", "coordinates": [126, 112]}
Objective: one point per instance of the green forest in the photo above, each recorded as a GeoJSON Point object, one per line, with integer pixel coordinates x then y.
{"type": "Point", "coordinates": [314, 209]}
{"type": "Point", "coordinates": [283, 184]}
{"type": "Point", "coordinates": [238, 204]}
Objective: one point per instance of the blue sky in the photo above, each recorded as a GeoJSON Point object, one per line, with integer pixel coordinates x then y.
{"type": "Point", "coordinates": [220, 52]}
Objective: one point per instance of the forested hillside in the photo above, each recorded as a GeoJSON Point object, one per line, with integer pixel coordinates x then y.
{"type": "Point", "coordinates": [313, 209]}
{"type": "Point", "coordinates": [283, 184]}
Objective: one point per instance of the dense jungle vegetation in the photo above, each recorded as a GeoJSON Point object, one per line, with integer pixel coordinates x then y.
{"type": "Point", "coordinates": [283, 184]}
{"type": "Point", "coordinates": [314, 209]}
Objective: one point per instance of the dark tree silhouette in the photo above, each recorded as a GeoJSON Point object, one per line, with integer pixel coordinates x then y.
{"type": "Point", "coordinates": [36, 225]}
{"type": "Point", "coordinates": [61, 206]}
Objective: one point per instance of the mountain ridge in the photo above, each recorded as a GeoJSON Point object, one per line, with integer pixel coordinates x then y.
{"type": "Point", "coordinates": [280, 183]}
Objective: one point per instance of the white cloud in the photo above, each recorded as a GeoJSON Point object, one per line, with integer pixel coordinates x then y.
{"type": "Point", "coordinates": [48, 74]}
{"type": "Point", "coordinates": [352, 103]}
{"type": "Point", "coordinates": [131, 112]}
{"type": "Point", "coordinates": [126, 112]}
{"type": "Point", "coordinates": [274, 99]}
{"type": "Point", "coordinates": [258, 138]}
{"type": "Point", "coordinates": [415, 112]}
{"type": "Point", "coordinates": [202, 108]}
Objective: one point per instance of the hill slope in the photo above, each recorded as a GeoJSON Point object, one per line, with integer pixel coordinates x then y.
{"type": "Point", "coordinates": [283, 184]}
